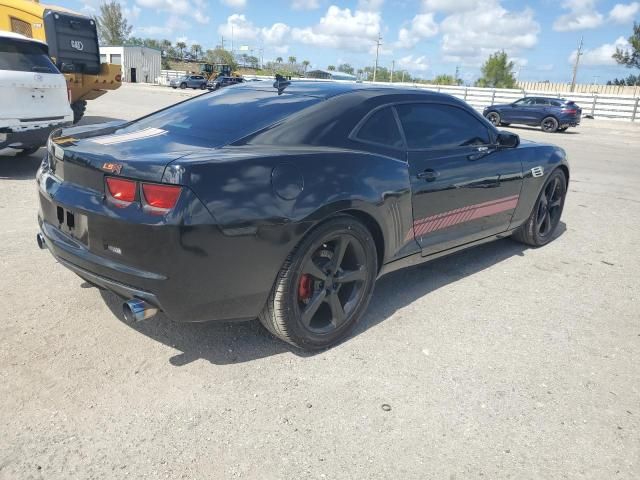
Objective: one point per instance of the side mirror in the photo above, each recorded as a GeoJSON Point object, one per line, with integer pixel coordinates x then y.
{"type": "Point", "coordinates": [508, 139]}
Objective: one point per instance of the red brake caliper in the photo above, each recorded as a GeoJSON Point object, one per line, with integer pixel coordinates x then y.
{"type": "Point", "coordinates": [304, 287]}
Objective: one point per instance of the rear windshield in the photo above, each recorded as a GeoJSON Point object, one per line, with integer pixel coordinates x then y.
{"type": "Point", "coordinates": [21, 56]}
{"type": "Point", "coordinates": [223, 116]}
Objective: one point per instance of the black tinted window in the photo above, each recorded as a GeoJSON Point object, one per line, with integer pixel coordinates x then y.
{"type": "Point", "coordinates": [223, 116]}
{"type": "Point", "coordinates": [381, 127]}
{"type": "Point", "coordinates": [21, 56]}
{"type": "Point", "coordinates": [440, 126]}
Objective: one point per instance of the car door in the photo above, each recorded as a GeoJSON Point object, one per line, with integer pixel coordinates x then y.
{"type": "Point", "coordinates": [464, 187]}
{"type": "Point", "coordinates": [519, 111]}
{"type": "Point", "coordinates": [541, 110]}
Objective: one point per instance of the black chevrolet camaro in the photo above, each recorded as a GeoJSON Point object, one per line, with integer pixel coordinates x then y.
{"type": "Point", "coordinates": [286, 201]}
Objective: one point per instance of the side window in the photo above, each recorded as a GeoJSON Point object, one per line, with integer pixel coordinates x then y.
{"type": "Point", "coordinates": [382, 128]}
{"type": "Point", "coordinates": [542, 101]}
{"type": "Point", "coordinates": [440, 126]}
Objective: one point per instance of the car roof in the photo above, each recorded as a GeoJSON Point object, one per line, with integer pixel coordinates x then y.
{"type": "Point", "coordinates": [330, 89]}
{"type": "Point", "coordinates": [17, 36]}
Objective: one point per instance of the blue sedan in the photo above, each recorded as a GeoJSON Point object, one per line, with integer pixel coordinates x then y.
{"type": "Point", "coordinates": [551, 114]}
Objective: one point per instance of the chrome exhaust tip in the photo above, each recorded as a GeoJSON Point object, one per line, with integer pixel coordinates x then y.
{"type": "Point", "coordinates": [137, 310]}
{"type": "Point", "coordinates": [42, 245]}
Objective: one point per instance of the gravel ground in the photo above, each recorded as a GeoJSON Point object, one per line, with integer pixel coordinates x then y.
{"type": "Point", "coordinates": [498, 362]}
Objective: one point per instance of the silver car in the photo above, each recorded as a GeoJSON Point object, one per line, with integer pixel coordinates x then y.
{"type": "Point", "coordinates": [189, 81]}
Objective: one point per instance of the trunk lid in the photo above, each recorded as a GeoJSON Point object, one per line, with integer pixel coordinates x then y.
{"type": "Point", "coordinates": [84, 156]}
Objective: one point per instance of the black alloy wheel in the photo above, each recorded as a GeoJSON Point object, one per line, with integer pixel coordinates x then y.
{"type": "Point", "coordinates": [549, 124]}
{"type": "Point", "coordinates": [494, 118]}
{"type": "Point", "coordinates": [324, 286]}
{"type": "Point", "coordinates": [543, 221]}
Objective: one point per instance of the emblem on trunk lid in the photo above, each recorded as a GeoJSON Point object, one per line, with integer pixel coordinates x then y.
{"type": "Point", "coordinates": [112, 167]}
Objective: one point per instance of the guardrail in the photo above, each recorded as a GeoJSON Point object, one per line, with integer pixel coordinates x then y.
{"type": "Point", "coordinates": [619, 107]}
{"type": "Point", "coordinates": [167, 75]}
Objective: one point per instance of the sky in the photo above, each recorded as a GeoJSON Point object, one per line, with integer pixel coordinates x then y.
{"type": "Point", "coordinates": [425, 37]}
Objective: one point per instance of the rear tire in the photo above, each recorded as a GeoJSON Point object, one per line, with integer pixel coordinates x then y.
{"type": "Point", "coordinates": [203, 86]}
{"type": "Point", "coordinates": [78, 108]}
{"type": "Point", "coordinates": [549, 124]}
{"type": "Point", "coordinates": [324, 286]}
{"type": "Point", "coordinates": [544, 219]}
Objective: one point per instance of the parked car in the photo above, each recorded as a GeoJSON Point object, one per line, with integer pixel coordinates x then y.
{"type": "Point", "coordinates": [34, 94]}
{"type": "Point", "coordinates": [290, 209]}
{"type": "Point", "coordinates": [223, 81]}
{"type": "Point", "coordinates": [189, 81]}
{"type": "Point", "coordinates": [551, 114]}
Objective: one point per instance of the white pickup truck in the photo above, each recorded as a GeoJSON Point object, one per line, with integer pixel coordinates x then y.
{"type": "Point", "coordinates": [33, 94]}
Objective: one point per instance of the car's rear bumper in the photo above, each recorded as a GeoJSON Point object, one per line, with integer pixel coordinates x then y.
{"type": "Point", "coordinates": [183, 265]}
{"type": "Point", "coordinates": [36, 137]}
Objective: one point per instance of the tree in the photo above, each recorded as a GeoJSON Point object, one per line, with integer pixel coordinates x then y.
{"type": "Point", "coordinates": [305, 65]}
{"type": "Point", "coordinates": [346, 68]}
{"type": "Point", "coordinates": [446, 80]}
{"type": "Point", "coordinates": [292, 60]}
{"type": "Point", "coordinates": [220, 55]}
{"type": "Point", "coordinates": [497, 72]}
{"type": "Point", "coordinates": [331, 68]}
{"type": "Point", "coordinates": [279, 60]}
{"type": "Point", "coordinates": [630, 57]}
{"type": "Point", "coordinates": [113, 28]}
{"type": "Point", "coordinates": [196, 50]}
{"type": "Point", "coordinates": [181, 46]}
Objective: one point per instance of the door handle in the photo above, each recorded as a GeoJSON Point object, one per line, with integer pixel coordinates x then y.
{"type": "Point", "coordinates": [429, 175]}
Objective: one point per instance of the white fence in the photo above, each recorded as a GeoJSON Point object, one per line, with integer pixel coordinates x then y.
{"type": "Point", "coordinates": [167, 75]}
{"type": "Point", "coordinates": [619, 107]}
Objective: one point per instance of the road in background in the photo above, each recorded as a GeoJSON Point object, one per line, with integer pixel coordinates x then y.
{"type": "Point", "coordinates": [498, 362]}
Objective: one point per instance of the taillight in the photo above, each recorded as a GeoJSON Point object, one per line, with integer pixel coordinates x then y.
{"type": "Point", "coordinates": [69, 94]}
{"type": "Point", "coordinates": [118, 77]}
{"type": "Point", "coordinates": [570, 111]}
{"type": "Point", "coordinates": [124, 191]}
{"type": "Point", "coordinates": [161, 198]}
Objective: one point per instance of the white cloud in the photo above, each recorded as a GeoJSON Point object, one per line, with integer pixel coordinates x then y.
{"type": "Point", "coordinates": [241, 28]}
{"type": "Point", "coordinates": [624, 13]}
{"type": "Point", "coordinates": [471, 36]}
{"type": "Point", "coordinates": [582, 15]}
{"type": "Point", "coordinates": [370, 5]}
{"type": "Point", "coordinates": [414, 64]}
{"type": "Point", "coordinates": [602, 55]}
{"type": "Point", "coordinates": [276, 34]}
{"type": "Point", "coordinates": [181, 8]}
{"type": "Point", "coordinates": [234, 3]}
{"type": "Point", "coordinates": [341, 28]}
{"type": "Point", "coordinates": [448, 6]}
{"type": "Point", "coordinates": [422, 26]}
{"type": "Point", "coordinates": [305, 4]}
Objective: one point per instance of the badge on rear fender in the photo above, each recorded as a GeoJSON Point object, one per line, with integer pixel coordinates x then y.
{"type": "Point", "coordinates": [112, 167]}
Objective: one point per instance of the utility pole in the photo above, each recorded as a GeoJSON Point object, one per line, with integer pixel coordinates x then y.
{"type": "Point", "coordinates": [393, 66]}
{"type": "Point", "coordinates": [402, 76]}
{"type": "Point", "coordinates": [378, 43]}
{"type": "Point", "coordinates": [575, 66]}
{"type": "Point", "coordinates": [222, 41]}
{"type": "Point", "coordinates": [456, 76]}
{"type": "Point", "coordinates": [232, 39]}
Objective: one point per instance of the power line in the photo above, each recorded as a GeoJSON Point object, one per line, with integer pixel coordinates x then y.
{"type": "Point", "coordinates": [378, 43]}
{"type": "Point", "coordinates": [575, 66]}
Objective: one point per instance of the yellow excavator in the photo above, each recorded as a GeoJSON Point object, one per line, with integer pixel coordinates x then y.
{"type": "Point", "coordinates": [73, 46]}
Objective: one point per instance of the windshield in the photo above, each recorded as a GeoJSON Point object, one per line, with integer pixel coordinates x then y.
{"type": "Point", "coordinates": [221, 117]}
{"type": "Point", "coordinates": [24, 56]}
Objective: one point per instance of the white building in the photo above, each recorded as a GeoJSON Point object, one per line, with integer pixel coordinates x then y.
{"type": "Point", "coordinates": [139, 64]}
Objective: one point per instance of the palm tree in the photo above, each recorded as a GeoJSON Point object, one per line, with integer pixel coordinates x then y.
{"type": "Point", "coordinates": [292, 60]}
{"type": "Point", "coordinates": [305, 65]}
{"type": "Point", "coordinates": [196, 50]}
{"type": "Point", "coordinates": [279, 60]}
{"type": "Point", "coordinates": [331, 68]}
{"type": "Point", "coordinates": [181, 46]}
